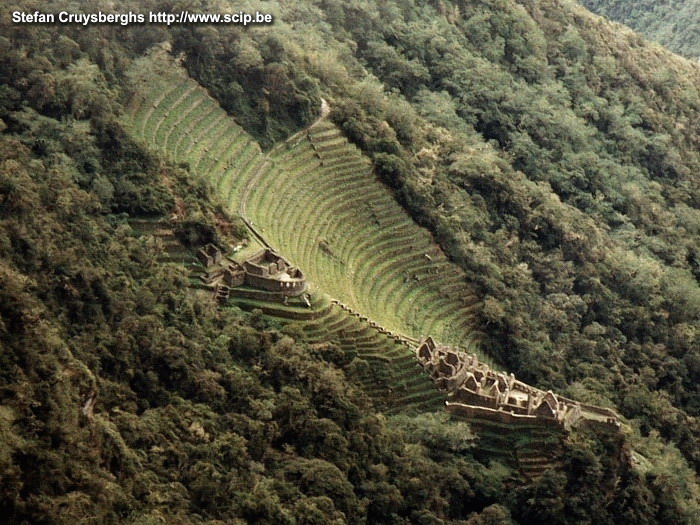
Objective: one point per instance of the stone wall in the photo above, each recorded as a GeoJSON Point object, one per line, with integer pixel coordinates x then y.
{"type": "Point", "coordinates": [290, 288]}
{"type": "Point", "coordinates": [499, 416]}
{"type": "Point", "coordinates": [475, 388]}
{"type": "Point", "coordinates": [269, 271]}
{"type": "Point", "coordinates": [264, 271]}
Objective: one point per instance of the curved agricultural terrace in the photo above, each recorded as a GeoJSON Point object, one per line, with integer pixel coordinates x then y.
{"type": "Point", "coordinates": [316, 200]}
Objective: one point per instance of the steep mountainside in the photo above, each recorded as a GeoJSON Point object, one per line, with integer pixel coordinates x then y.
{"type": "Point", "coordinates": [552, 154]}
{"type": "Point", "coordinates": [673, 23]}
{"type": "Point", "coordinates": [553, 157]}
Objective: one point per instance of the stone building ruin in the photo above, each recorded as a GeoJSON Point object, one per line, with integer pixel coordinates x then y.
{"type": "Point", "coordinates": [265, 271]}
{"type": "Point", "coordinates": [474, 390]}
{"type": "Point", "coordinates": [209, 256]}
{"type": "Point", "coordinates": [269, 271]}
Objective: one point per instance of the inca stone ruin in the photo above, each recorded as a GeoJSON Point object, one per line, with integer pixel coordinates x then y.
{"type": "Point", "coordinates": [474, 390]}
{"type": "Point", "coordinates": [266, 271]}
{"type": "Point", "coordinates": [378, 277]}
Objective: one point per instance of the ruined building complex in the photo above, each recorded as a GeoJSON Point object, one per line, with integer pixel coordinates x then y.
{"type": "Point", "coordinates": [474, 390]}
{"type": "Point", "coordinates": [266, 271]}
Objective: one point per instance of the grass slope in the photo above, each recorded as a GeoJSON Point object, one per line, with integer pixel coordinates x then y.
{"type": "Point", "coordinates": [317, 201]}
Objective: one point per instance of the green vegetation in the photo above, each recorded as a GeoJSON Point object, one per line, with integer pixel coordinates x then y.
{"type": "Point", "coordinates": [550, 153]}
{"type": "Point", "coordinates": [305, 198]}
{"type": "Point", "coordinates": [673, 23]}
{"type": "Point", "coordinates": [316, 200]}
{"type": "Point", "coordinates": [127, 397]}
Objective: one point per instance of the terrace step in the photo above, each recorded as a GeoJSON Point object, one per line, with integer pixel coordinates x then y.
{"type": "Point", "coordinates": [320, 187]}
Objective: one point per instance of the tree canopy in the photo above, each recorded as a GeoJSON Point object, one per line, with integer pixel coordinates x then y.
{"type": "Point", "coordinates": [552, 154]}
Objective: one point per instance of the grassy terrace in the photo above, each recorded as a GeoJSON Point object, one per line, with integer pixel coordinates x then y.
{"type": "Point", "coordinates": [356, 242]}
{"type": "Point", "coordinates": [317, 201]}
{"type": "Point", "coordinates": [162, 233]}
{"type": "Point", "coordinates": [530, 448]}
{"type": "Point", "coordinates": [387, 369]}
{"type": "Point", "coordinates": [174, 115]}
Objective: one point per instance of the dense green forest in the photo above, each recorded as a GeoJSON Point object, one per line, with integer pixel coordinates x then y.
{"type": "Point", "coordinates": [673, 23]}
{"type": "Point", "coordinates": [552, 155]}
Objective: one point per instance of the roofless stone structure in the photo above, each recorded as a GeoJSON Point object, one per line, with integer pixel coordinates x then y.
{"type": "Point", "coordinates": [269, 271]}
{"type": "Point", "coordinates": [266, 271]}
{"type": "Point", "coordinates": [475, 390]}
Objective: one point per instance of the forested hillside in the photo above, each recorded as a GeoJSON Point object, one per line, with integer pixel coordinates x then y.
{"type": "Point", "coordinates": [673, 23]}
{"type": "Point", "coordinates": [552, 155]}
